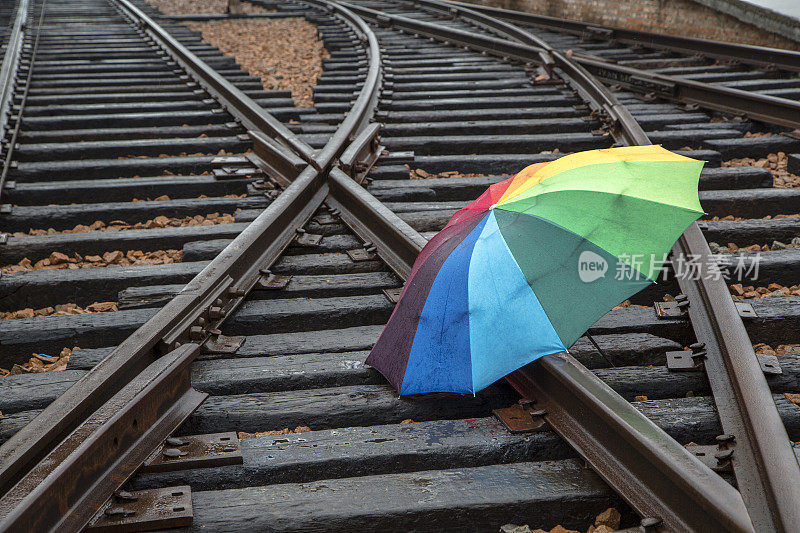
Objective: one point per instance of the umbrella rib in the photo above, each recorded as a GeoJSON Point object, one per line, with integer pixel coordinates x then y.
{"type": "Point", "coordinates": [595, 191]}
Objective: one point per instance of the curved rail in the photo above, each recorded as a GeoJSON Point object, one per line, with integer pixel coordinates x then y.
{"type": "Point", "coordinates": [768, 474]}
{"type": "Point", "coordinates": [761, 107]}
{"type": "Point", "coordinates": [762, 56]}
{"type": "Point", "coordinates": [765, 108]}
{"type": "Point", "coordinates": [62, 466]}
{"type": "Point", "coordinates": [595, 94]}
{"type": "Point", "coordinates": [769, 486]}
{"type": "Point", "coordinates": [8, 74]}
{"type": "Point", "coordinates": [8, 70]}
{"type": "Point", "coordinates": [622, 445]}
{"type": "Point", "coordinates": [243, 107]}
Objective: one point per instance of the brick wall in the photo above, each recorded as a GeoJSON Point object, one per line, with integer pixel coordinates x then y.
{"type": "Point", "coordinates": [677, 17]}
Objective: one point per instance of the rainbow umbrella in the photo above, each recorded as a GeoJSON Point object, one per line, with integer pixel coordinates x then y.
{"type": "Point", "coordinates": [528, 267]}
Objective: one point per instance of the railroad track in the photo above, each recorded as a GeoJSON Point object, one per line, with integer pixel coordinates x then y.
{"type": "Point", "coordinates": [274, 324]}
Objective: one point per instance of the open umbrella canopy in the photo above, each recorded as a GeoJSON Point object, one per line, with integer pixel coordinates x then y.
{"type": "Point", "coordinates": [528, 267]}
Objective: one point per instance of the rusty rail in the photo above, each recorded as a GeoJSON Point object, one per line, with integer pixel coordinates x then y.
{"type": "Point", "coordinates": [761, 56]}
{"type": "Point", "coordinates": [687, 495]}
{"type": "Point", "coordinates": [765, 108]}
{"type": "Point", "coordinates": [764, 462]}
{"type": "Point", "coordinates": [135, 388]}
{"type": "Point", "coordinates": [8, 76]}
{"type": "Point", "coordinates": [761, 107]}
{"type": "Point", "coordinates": [698, 498]}
{"type": "Point", "coordinates": [10, 65]}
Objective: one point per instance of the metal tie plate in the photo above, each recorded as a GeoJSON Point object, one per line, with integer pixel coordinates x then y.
{"type": "Point", "coordinates": [769, 364]}
{"type": "Point", "coordinates": [520, 419]}
{"type": "Point", "coordinates": [308, 239]}
{"type": "Point", "coordinates": [393, 294]}
{"type": "Point", "coordinates": [195, 451]}
{"type": "Point", "coordinates": [670, 310]}
{"type": "Point", "coordinates": [226, 173]}
{"type": "Point", "coordinates": [712, 456]}
{"type": "Point", "coordinates": [223, 344]}
{"type": "Point", "coordinates": [682, 361]}
{"type": "Point", "coordinates": [273, 282]}
{"type": "Point", "coordinates": [145, 510]}
{"type": "Point", "coordinates": [745, 309]}
{"type": "Point", "coordinates": [224, 160]}
{"type": "Point", "coordinates": [360, 254]}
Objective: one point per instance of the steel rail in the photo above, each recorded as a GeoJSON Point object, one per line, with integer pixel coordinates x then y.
{"type": "Point", "coordinates": [772, 109]}
{"type": "Point", "coordinates": [76, 470]}
{"type": "Point", "coordinates": [594, 93]}
{"type": "Point", "coordinates": [32, 461]}
{"type": "Point", "coordinates": [492, 24]}
{"type": "Point", "coordinates": [655, 474]}
{"type": "Point", "coordinates": [764, 462]}
{"type": "Point", "coordinates": [765, 465]}
{"type": "Point", "coordinates": [768, 475]}
{"type": "Point", "coordinates": [397, 243]}
{"type": "Point", "coordinates": [761, 107]}
{"type": "Point", "coordinates": [745, 53]}
{"type": "Point", "coordinates": [240, 105]}
{"type": "Point", "coordinates": [359, 209]}
{"type": "Point", "coordinates": [8, 74]}
{"type": "Point", "coordinates": [765, 108]}
{"type": "Point", "coordinates": [10, 64]}
{"type": "Point", "coordinates": [710, 504]}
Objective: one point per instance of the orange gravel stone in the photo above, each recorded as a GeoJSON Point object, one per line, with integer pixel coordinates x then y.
{"type": "Point", "coordinates": [113, 258]}
{"type": "Point", "coordinates": [41, 363]}
{"type": "Point", "coordinates": [419, 174]}
{"type": "Point", "coordinates": [284, 431]}
{"type": "Point", "coordinates": [61, 309]}
{"type": "Point", "coordinates": [775, 163]}
{"type": "Point", "coordinates": [284, 53]}
{"type": "Point", "coordinates": [792, 397]}
{"type": "Point", "coordinates": [156, 223]}
{"type": "Point", "coordinates": [773, 290]}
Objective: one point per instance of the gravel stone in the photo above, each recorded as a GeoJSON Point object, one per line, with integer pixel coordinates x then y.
{"type": "Point", "coordinates": [284, 53]}
{"type": "Point", "coordinates": [513, 528]}
{"type": "Point", "coordinates": [40, 363]}
{"type": "Point", "coordinates": [775, 163]}
{"type": "Point", "coordinates": [420, 174]}
{"type": "Point", "coordinates": [120, 225]}
{"type": "Point", "coordinates": [284, 431]}
{"type": "Point", "coordinates": [112, 258]}
{"type": "Point", "coordinates": [774, 294]}
{"type": "Point", "coordinates": [61, 309]}
{"type": "Point", "coordinates": [609, 518]}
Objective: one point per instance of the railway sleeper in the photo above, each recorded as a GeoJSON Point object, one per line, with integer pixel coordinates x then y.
{"type": "Point", "coordinates": [775, 317]}
{"type": "Point", "coordinates": [66, 217]}
{"type": "Point", "coordinates": [420, 215]}
{"type": "Point", "coordinates": [325, 370]}
{"type": "Point", "coordinates": [121, 189]}
{"type": "Point", "coordinates": [366, 403]}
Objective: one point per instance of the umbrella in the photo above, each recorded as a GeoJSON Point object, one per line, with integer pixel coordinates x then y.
{"type": "Point", "coordinates": [528, 267]}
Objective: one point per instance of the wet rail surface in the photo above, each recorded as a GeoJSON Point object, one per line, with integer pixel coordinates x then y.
{"type": "Point", "coordinates": [453, 122]}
